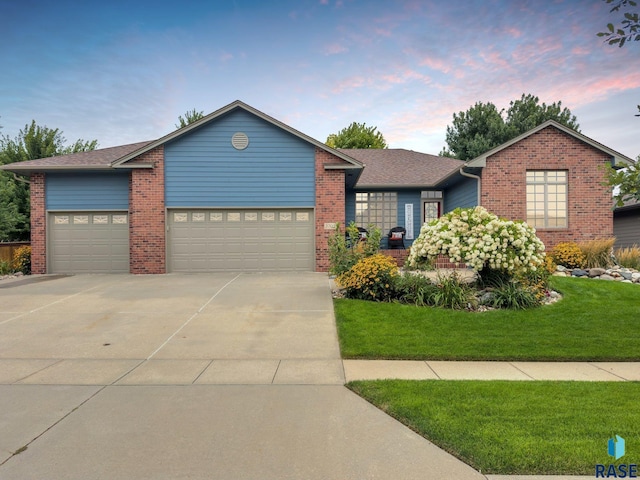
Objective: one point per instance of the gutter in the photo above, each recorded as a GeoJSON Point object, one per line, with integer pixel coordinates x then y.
{"type": "Point", "coordinates": [471, 175]}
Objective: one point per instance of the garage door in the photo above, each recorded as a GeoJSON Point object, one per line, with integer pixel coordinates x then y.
{"type": "Point", "coordinates": [88, 242]}
{"type": "Point", "coordinates": [241, 240]}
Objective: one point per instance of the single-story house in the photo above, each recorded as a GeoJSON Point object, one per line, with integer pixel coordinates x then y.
{"type": "Point", "coordinates": [626, 224]}
{"type": "Point", "coordinates": [241, 191]}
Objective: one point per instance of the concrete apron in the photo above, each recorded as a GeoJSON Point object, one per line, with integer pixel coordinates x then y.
{"type": "Point", "coordinates": [188, 376]}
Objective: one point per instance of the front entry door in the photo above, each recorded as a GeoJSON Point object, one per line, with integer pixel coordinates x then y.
{"type": "Point", "coordinates": [431, 211]}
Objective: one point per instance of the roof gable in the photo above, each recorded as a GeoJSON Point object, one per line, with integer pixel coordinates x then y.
{"type": "Point", "coordinates": [347, 161]}
{"type": "Point", "coordinates": [617, 159]}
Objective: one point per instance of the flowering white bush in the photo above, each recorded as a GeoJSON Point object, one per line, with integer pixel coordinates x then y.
{"type": "Point", "coordinates": [481, 240]}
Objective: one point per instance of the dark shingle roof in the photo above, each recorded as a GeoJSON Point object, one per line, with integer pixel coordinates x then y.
{"type": "Point", "coordinates": [396, 167]}
{"type": "Point", "coordinates": [102, 158]}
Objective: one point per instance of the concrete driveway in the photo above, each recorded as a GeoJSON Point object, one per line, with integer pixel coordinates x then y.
{"type": "Point", "coordinates": [189, 376]}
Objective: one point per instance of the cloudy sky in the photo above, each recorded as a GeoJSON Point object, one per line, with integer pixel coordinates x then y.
{"type": "Point", "coordinates": [122, 71]}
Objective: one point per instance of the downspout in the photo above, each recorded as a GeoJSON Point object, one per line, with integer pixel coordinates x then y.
{"type": "Point", "coordinates": [471, 175]}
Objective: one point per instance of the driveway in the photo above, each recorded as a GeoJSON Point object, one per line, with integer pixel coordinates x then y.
{"type": "Point", "coordinates": [189, 376]}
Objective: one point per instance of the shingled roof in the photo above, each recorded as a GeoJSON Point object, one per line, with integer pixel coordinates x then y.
{"type": "Point", "coordinates": [94, 159]}
{"type": "Point", "coordinates": [397, 167]}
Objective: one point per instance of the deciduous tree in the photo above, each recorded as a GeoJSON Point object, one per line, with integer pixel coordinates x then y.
{"type": "Point", "coordinates": [189, 117]}
{"type": "Point", "coordinates": [357, 135]}
{"type": "Point", "coordinates": [32, 142]}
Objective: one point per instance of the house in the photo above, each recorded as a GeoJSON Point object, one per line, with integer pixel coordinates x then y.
{"type": "Point", "coordinates": [626, 225]}
{"type": "Point", "coordinates": [241, 191]}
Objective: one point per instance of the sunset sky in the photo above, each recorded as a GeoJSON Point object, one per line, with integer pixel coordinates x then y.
{"type": "Point", "coordinates": [122, 72]}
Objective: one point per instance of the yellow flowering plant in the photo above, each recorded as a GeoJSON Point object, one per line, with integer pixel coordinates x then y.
{"type": "Point", "coordinates": [370, 278]}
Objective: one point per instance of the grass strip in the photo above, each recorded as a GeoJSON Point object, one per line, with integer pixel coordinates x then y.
{"type": "Point", "coordinates": [516, 428]}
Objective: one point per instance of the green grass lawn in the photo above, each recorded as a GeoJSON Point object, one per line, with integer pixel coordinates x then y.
{"type": "Point", "coordinates": [596, 320]}
{"type": "Point", "coordinates": [516, 427]}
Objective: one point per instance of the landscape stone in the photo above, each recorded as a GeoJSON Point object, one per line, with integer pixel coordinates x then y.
{"type": "Point", "coordinates": [606, 277]}
{"type": "Point", "coordinates": [626, 275]}
{"type": "Point", "coordinates": [596, 272]}
{"type": "Point", "coordinates": [578, 272]}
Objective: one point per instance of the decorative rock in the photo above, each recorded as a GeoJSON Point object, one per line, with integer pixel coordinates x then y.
{"type": "Point", "coordinates": [626, 281]}
{"type": "Point", "coordinates": [635, 276]}
{"type": "Point", "coordinates": [18, 274]}
{"type": "Point", "coordinates": [606, 277]}
{"type": "Point", "coordinates": [626, 275]}
{"type": "Point", "coordinates": [559, 274]}
{"type": "Point", "coordinates": [579, 273]}
{"type": "Point", "coordinates": [561, 268]}
{"type": "Point", "coordinates": [596, 272]}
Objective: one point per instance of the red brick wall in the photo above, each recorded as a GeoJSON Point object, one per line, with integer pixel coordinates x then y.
{"type": "Point", "coordinates": [330, 207]}
{"type": "Point", "coordinates": [147, 247]}
{"type": "Point", "coordinates": [38, 224]}
{"type": "Point", "coordinates": [589, 203]}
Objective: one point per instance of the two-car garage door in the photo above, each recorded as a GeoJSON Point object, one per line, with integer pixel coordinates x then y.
{"type": "Point", "coordinates": [208, 240]}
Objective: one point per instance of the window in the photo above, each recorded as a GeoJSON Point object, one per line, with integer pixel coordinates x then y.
{"type": "Point", "coordinates": [378, 208]}
{"type": "Point", "coordinates": [547, 199]}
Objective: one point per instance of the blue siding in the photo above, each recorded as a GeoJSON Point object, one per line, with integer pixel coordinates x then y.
{"type": "Point", "coordinates": [203, 169]}
{"type": "Point", "coordinates": [404, 197]}
{"type": "Point", "coordinates": [87, 191]}
{"type": "Point", "coordinates": [464, 194]}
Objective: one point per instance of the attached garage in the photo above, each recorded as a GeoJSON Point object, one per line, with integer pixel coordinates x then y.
{"type": "Point", "coordinates": [212, 240]}
{"type": "Point", "coordinates": [88, 242]}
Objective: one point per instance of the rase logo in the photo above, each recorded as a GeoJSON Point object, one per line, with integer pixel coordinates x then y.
{"type": "Point", "coordinates": [616, 449]}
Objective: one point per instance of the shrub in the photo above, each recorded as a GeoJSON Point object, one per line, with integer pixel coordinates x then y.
{"type": "Point", "coordinates": [628, 257]}
{"type": "Point", "coordinates": [549, 265]}
{"type": "Point", "coordinates": [481, 240]}
{"type": "Point", "coordinates": [370, 278]}
{"type": "Point", "coordinates": [22, 260]}
{"type": "Point", "coordinates": [346, 249]}
{"type": "Point", "coordinates": [414, 289]}
{"type": "Point", "coordinates": [5, 268]}
{"type": "Point", "coordinates": [453, 293]}
{"type": "Point", "coordinates": [598, 252]}
{"type": "Point", "coordinates": [568, 254]}
{"type": "Point", "coordinates": [513, 295]}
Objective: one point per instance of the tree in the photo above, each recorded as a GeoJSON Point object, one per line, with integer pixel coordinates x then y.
{"type": "Point", "coordinates": [31, 143]}
{"type": "Point", "coordinates": [527, 113]}
{"type": "Point", "coordinates": [629, 28]}
{"type": "Point", "coordinates": [475, 131]}
{"type": "Point", "coordinates": [626, 183]}
{"type": "Point", "coordinates": [483, 127]}
{"type": "Point", "coordinates": [631, 23]}
{"type": "Point", "coordinates": [189, 117]}
{"type": "Point", "coordinates": [357, 135]}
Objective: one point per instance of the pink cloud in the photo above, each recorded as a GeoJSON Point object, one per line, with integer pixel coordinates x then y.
{"type": "Point", "coordinates": [436, 64]}
{"type": "Point", "coordinates": [334, 49]}
{"type": "Point", "coordinates": [349, 83]}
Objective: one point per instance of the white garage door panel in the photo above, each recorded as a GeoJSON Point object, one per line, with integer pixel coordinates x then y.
{"type": "Point", "coordinates": [241, 240]}
{"type": "Point", "coordinates": [88, 242]}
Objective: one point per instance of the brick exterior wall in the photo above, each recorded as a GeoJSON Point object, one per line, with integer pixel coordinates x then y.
{"type": "Point", "coordinates": [38, 224]}
{"type": "Point", "coordinates": [589, 202]}
{"type": "Point", "coordinates": [147, 245]}
{"type": "Point", "coordinates": [330, 206]}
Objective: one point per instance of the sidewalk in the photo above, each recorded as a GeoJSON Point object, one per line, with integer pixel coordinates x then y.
{"type": "Point", "coordinates": [439, 370]}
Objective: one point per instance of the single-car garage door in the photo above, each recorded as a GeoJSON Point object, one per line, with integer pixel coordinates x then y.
{"type": "Point", "coordinates": [88, 242]}
{"type": "Point", "coordinates": [256, 240]}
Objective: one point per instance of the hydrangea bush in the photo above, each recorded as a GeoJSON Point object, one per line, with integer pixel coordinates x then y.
{"type": "Point", "coordinates": [481, 240]}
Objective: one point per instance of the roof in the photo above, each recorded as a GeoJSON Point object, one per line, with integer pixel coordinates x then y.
{"type": "Point", "coordinates": [397, 167]}
{"type": "Point", "coordinates": [118, 157]}
{"type": "Point", "coordinates": [101, 159]}
{"type": "Point", "coordinates": [617, 159]}
{"type": "Point", "coordinates": [631, 204]}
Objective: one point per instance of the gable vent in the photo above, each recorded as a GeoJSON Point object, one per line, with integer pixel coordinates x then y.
{"type": "Point", "coordinates": [240, 141]}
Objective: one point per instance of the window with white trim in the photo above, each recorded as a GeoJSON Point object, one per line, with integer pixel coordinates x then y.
{"type": "Point", "coordinates": [547, 198]}
{"type": "Point", "coordinates": [378, 208]}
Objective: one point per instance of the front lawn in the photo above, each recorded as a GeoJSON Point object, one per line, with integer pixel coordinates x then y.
{"type": "Point", "coordinates": [516, 427]}
{"type": "Point", "coordinates": [596, 320]}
